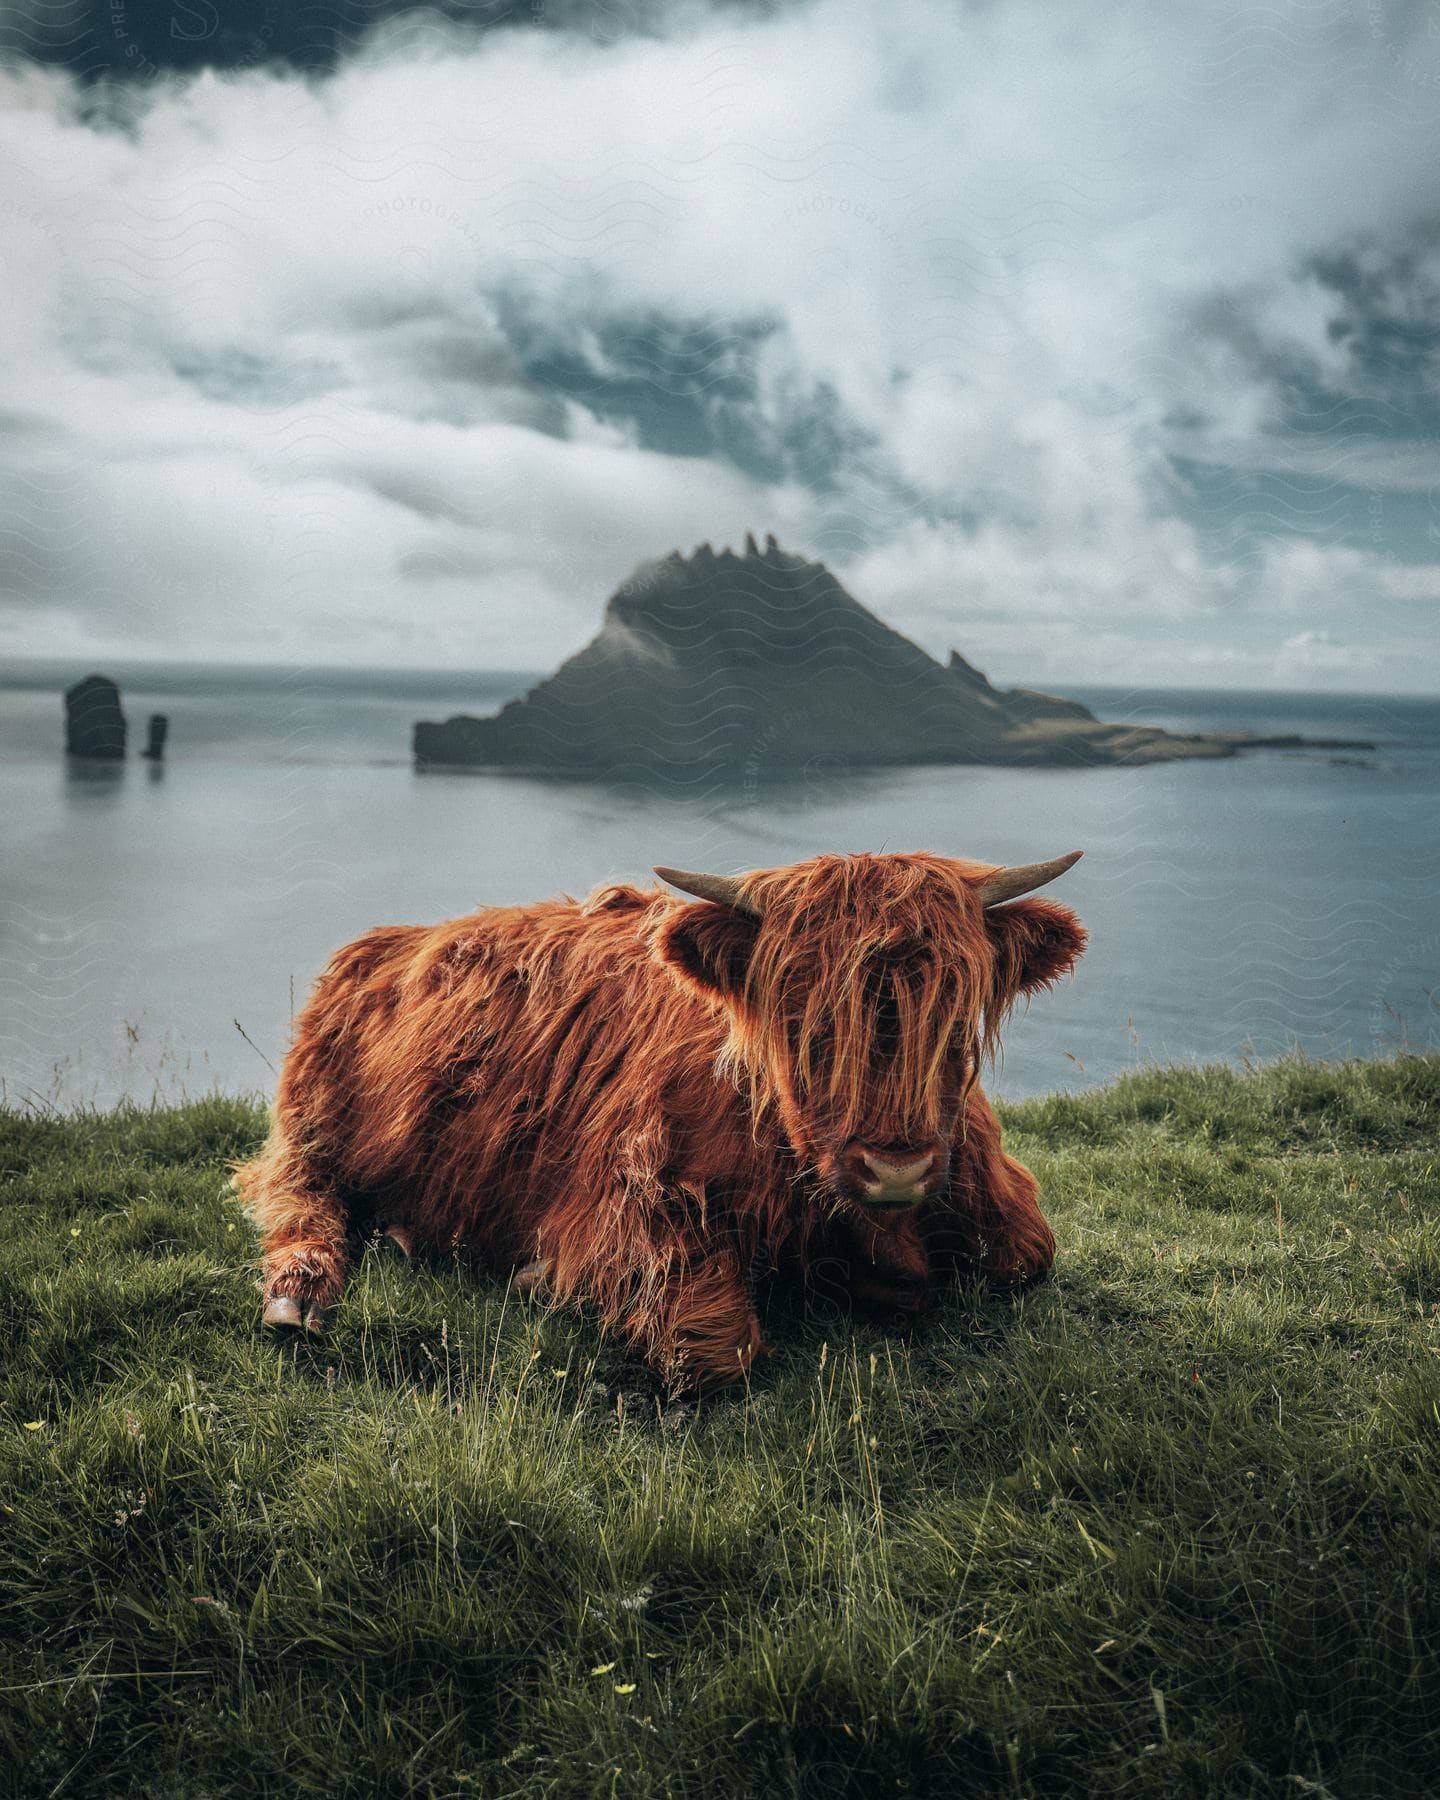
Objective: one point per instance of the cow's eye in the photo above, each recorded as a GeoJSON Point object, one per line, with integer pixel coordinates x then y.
{"type": "Point", "coordinates": [962, 1051]}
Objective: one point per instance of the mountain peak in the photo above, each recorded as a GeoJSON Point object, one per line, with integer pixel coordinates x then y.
{"type": "Point", "coordinates": [752, 610]}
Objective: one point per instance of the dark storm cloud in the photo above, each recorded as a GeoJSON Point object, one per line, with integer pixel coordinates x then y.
{"type": "Point", "coordinates": [692, 387]}
{"type": "Point", "coordinates": [1353, 406]}
{"type": "Point", "coordinates": [1387, 319]}
{"type": "Point", "coordinates": [140, 39]}
{"type": "Point", "coordinates": [1378, 351]}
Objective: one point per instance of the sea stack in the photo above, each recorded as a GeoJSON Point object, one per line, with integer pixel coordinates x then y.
{"type": "Point", "coordinates": [728, 666]}
{"type": "Point", "coordinates": [94, 720]}
{"type": "Point", "coordinates": [159, 728]}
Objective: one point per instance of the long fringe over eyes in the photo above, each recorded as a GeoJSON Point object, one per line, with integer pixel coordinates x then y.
{"type": "Point", "coordinates": [869, 990]}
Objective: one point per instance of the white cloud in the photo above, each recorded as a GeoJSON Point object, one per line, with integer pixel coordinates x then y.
{"type": "Point", "coordinates": [256, 330]}
{"type": "Point", "coordinates": [1314, 653]}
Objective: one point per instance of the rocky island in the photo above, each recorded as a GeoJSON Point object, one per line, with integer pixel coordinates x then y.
{"type": "Point", "coordinates": [94, 720]}
{"type": "Point", "coordinates": [761, 664]}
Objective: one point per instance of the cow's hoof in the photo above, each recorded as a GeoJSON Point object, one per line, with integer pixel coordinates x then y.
{"type": "Point", "coordinates": [286, 1314]}
{"type": "Point", "coordinates": [399, 1235]}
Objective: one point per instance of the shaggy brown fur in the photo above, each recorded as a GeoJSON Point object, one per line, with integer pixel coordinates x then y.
{"type": "Point", "coordinates": [643, 1105]}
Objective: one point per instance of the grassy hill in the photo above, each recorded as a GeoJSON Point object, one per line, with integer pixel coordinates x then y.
{"type": "Point", "coordinates": [1166, 1525]}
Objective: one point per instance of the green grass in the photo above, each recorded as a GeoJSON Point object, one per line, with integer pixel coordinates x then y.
{"type": "Point", "coordinates": [1166, 1525]}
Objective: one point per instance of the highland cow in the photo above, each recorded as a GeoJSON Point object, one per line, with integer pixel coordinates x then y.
{"type": "Point", "coordinates": [644, 1106]}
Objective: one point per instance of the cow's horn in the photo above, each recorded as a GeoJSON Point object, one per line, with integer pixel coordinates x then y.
{"type": "Point", "coordinates": [724, 888]}
{"type": "Point", "coordinates": [1010, 884]}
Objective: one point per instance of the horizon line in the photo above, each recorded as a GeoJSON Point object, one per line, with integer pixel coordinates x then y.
{"type": "Point", "coordinates": [48, 668]}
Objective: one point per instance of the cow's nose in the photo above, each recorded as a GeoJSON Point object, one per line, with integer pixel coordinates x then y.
{"type": "Point", "coordinates": [892, 1173]}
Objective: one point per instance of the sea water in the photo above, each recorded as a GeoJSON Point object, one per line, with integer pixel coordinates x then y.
{"type": "Point", "coordinates": [159, 924]}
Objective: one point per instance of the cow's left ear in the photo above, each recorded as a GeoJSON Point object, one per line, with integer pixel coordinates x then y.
{"type": "Point", "coordinates": [709, 947]}
{"type": "Point", "coordinates": [1035, 942]}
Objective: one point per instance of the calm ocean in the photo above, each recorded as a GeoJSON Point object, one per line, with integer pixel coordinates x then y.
{"type": "Point", "coordinates": [151, 915]}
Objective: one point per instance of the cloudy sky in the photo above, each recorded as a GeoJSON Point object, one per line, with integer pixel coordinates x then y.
{"type": "Point", "coordinates": [1101, 344]}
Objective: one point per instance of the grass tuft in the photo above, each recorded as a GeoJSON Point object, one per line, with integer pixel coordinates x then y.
{"type": "Point", "coordinates": [1165, 1525]}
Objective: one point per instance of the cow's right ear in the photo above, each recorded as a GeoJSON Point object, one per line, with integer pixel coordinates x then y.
{"type": "Point", "coordinates": [708, 946]}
